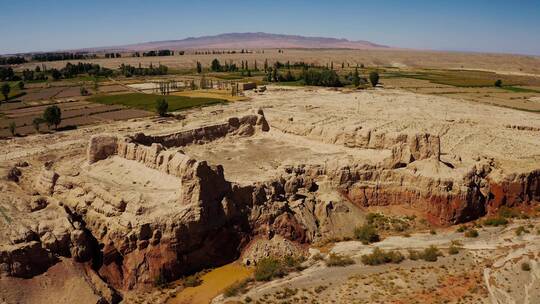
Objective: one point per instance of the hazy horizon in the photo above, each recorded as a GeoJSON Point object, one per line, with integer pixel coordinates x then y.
{"type": "Point", "coordinates": [470, 26]}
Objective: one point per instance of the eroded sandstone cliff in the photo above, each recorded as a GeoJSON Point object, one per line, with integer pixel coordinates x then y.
{"type": "Point", "coordinates": [142, 208]}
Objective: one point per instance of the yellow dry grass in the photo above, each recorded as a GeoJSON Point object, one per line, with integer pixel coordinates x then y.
{"type": "Point", "coordinates": [211, 93]}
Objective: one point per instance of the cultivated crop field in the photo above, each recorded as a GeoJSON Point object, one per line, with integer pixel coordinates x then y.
{"type": "Point", "coordinates": [74, 114]}
{"type": "Point", "coordinates": [405, 59]}
{"type": "Point", "coordinates": [147, 101]}
{"type": "Point", "coordinates": [463, 77]}
{"type": "Point", "coordinates": [516, 92]}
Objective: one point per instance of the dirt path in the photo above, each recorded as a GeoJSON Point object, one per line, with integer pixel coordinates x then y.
{"type": "Point", "coordinates": [502, 281]}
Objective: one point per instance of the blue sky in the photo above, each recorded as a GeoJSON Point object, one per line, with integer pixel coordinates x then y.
{"type": "Point", "coordinates": [474, 25]}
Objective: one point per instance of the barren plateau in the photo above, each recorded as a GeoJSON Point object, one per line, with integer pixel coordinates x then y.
{"type": "Point", "coordinates": [109, 211]}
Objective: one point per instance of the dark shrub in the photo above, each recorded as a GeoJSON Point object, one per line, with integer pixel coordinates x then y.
{"type": "Point", "coordinates": [269, 268]}
{"type": "Point", "coordinates": [431, 254]}
{"type": "Point", "coordinates": [162, 106]}
{"type": "Point", "coordinates": [366, 234]}
{"type": "Point", "coordinates": [496, 221]}
{"type": "Point", "coordinates": [338, 260]}
{"type": "Point", "coordinates": [471, 233]}
{"type": "Point", "coordinates": [379, 256]}
{"type": "Point", "coordinates": [374, 78]}
{"type": "Point", "coordinates": [52, 116]}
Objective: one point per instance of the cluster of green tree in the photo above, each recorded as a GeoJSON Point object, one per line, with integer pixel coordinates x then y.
{"type": "Point", "coordinates": [219, 52]}
{"type": "Point", "coordinates": [5, 90]}
{"type": "Point", "coordinates": [325, 77]}
{"type": "Point", "coordinates": [7, 74]}
{"type": "Point", "coordinates": [273, 75]}
{"type": "Point", "coordinates": [355, 79]}
{"type": "Point", "coordinates": [295, 65]}
{"type": "Point", "coordinates": [29, 75]}
{"type": "Point", "coordinates": [246, 70]}
{"type": "Point", "coordinates": [72, 70]}
{"type": "Point", "coordinates": [12, 60]}
{"type": "Point", "coordinates": [321, 77]}
{"type": "Point", "coordinates": [52, 115]}
{"type": "Point", "coordinates": [113, 55]}
{"type": "Point", "coordinates": [158, 53]}
{"type": "Point", "coordinates": [309, 76]}
{"type": "Point", "coordinates": [374, 78]}
{"type": "Point", "coordinates": [216, 66]}
{"type": "Point", "coordinates": [162, 106]}
{"type": "Point", "coordinates": [62, 56]}
{"type": "Point", "coordinates": [289, 65]}
{"type": "Point", "coordinates": [129, 70]}
{"type": "Point", "coordinates": [154, 53]}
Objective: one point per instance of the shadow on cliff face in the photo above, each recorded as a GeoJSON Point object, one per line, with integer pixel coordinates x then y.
{"type": "Point", "coordinates": [92, 253]}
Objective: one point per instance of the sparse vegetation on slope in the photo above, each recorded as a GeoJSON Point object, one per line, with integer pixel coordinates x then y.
{"type": "Point", "coordinates": [472, 233]}
{"type": "Point", "coordinates": [496, 221]}
{"type": "Point", "coordinates": [366, 234]}
{"type": "Point", "coordinates": [338, 260]}
{"type": "Point", "coordinates": [379, 256]}
{"type": "Point", "coordinates": [270, 268]}
{"type": "Point", "coordinates": [429, 254]}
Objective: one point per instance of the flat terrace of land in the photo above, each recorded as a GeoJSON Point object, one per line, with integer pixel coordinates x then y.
{"type": "Point", "coordinates": [504, 63]}
{"type": "Point", "coordinates": [87, 110]}
{"type": "Point", "coordinates": [517, 92]}
{"type": "Point", "coordinates": [77, 113]}
{"type": "Point", "coordinates": [464, 77]}
{"type": "Point", "coordinates": [467, 129]}
{"type": "Point", "coordinates": [264, 156]}
{"type": "Point", "coordinates": [137, 182]}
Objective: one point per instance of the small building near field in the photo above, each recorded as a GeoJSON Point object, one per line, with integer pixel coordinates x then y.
{"type": "Point", "coordinates": [246, 86]}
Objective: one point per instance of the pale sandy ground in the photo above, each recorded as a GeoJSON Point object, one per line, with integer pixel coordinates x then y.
{"type": "Point", "coordinates": [468, 130]}
{"type": "Point", "coordinates": [492, 261]}
{"type": "Point", "coordinates": [263, 156]}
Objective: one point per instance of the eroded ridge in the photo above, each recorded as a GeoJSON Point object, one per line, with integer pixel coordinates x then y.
{"type": "Point", "coordinates": [191, 217]}
{"type": "Point", "coordinates": [144, 207]}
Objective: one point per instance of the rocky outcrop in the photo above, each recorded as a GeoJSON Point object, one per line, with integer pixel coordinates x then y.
{"type": "Point", "coordinates": [14, 174]}
{"type": "Point", "coordinates": [218, 218]}
{"type": "Point", "coordinates": [245, 126]}
{"type": "Point", "coordinates": [100, 147]}
{"type": "Point", "coordinates": [449, 200]}
{"type": "Point", "coordinates": [206, 220]}
{"type": "Point", "coordinates": [260, 248]}
{"type": "Point", "coordinates": [406, 146]}
{"type": "Point", "coordinates": [208, 223]}
{"type": "Point", "coordinates": [146, 148]}
{"type": "Point", "coordinates": [45, 182]}
{"type": "Point", "coordinates": [409, 148]}
{"type": "Point", "coordinates": [37, 244]}
{"type": "Point", "coordinates": [513, 190]}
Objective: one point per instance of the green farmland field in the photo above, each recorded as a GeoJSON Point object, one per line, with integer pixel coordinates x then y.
{"type": "Point", "coordinates": [148, 101]}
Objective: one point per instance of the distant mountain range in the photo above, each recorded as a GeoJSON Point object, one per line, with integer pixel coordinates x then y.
{"type": "Point", "coordinates": [247, 41]}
